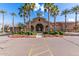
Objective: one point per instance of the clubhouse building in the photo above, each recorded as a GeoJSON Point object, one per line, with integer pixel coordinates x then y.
{"type": "Point", "coordinates": [40, 24]}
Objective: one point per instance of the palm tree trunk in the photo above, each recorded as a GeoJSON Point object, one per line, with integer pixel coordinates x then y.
{"type": "Point", "coordinates": [75, 21]}
{"type": "Point", "coordinates": [65, 22]}
{"type": "Point", "coordinates": [48, 20]}
{"type": "Point", "coordinates": [24, 24]}
{"type": "Point", "coordinates": [13, 23]}
{"type": "Point", "coordinates": [24, 19]}
{"type": "Point", "coordinates": [3, 24]}
{"type": "Point", "coordinates": [29, 22]}
{"type": "Point", "coordinates": [54, 23]}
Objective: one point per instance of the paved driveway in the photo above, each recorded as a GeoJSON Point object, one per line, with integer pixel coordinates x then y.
{"type": "Point", "coordinates": [66, 46]}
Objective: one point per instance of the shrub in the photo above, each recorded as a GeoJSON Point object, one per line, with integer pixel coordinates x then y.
{"type": "Point", "coordinates": [34, 33]}
{"type": "Point", "coordinates": [61, 33]}
{"type": "Point", "coordinates": [51, 33]}
{"type": "Point", "coordinates": [45, 32]}
{"type": "Point", "coordinates": [30, 33]}
{"type": "Point", "coordinates": [24, 33]}
{"type": "Point", "coordinates": [54, 33]}
{"type": "Point", "coordinates": [21, 33]}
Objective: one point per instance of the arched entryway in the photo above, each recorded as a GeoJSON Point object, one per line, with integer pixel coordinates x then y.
{"type": "Point", "coordinates": [39, 28]}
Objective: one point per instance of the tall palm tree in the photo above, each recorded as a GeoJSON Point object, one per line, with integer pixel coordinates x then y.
{"type": "Point", "coordinates": [54, 13]}
{"type": "Point", "coordinates": [2, 12]}
{"type": "Point", "coordinates": [39, 14]}
{"type": "Point", "coordinates": [76, 11]}
{"type": "Point", "coordinates": [23, 13]}
{"type": "Point", "coordinates": [29, 7]}
{"type": "Point", "coordinates": [65, 13]}
{"type": "Point", "coordinates": [20, 25]}
{"type": "Point", "coordinates": [13, 15]}
{"type": "Point", "coordinates": [47, 7]}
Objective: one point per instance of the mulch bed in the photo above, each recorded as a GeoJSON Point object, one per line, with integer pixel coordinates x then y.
{"type": "Point", "coordinates": [22, 36]}
{"type": "Point", "coordinates": [53, 35]}
{"type": "Point", "coordinates": [32, 36]}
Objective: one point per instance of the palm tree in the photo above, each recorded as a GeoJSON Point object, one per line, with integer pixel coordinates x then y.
{"type": "Point", "coordinates": [47, 7]}
{"type": "Point", "coordinates": [39, 14]}
{"type": "Point", "coordinates": [13, 15]}
{"type": "Point", "coordinates": [23, 13]}
{"type": "Point", "coordinates": [76, 11]}
{"type": "Point", "coordinates": [54, 13]}
{"type": "Point", "coordinates": [20, 25]}
{"type": "Point", "coordinates": [2, 12]}
{"type": "Point", "coordinates": [29, 7]}
{"type": "Point", "coordinates": [65, 13]}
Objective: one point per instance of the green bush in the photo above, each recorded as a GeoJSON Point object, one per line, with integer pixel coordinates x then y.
{"type": "Point", "coordinates": [34, 33]}
{"type": "Point", "coordinates": [61, 33]}
{"type": "Point", "coordinates": [51, 33]}
{"type": "Point", "coordinates": [45, 32]}
{"type": "Point", "coordinates": [21, 33]}
{"type": "Point", "coordinates": [54, 33]}
{"type": "Point", "coordinates": [24, 33]}
{"type": "Point", "coordinates": [29, 33]}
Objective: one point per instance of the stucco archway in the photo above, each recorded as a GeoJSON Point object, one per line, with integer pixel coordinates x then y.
{"type": "Point", "coordinates": [39, 28]}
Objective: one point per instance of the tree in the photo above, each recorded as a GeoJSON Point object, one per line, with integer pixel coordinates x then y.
{"type": "Point", "coordinates": [23, 13]}
{"type": "Point", "coordinates": [76, 11]}
{"type": "Point", "coordinates": [29, 7]}
{"type": "Point", "coordinates": [47, 7]}
{"type": "Point", "coordinates": [13, 15]}
{"type": "Point", "coordinates": [39, 14]}
{"type": "Point", "coordinates": [2, 12]}
{"type": "Point", "coordinates": [20, 25]}
{"type": "Point", "coordinates": [65, 13]}
{"type": "Point", "coordinates": [54, 13]}
{"type": "Point", "coordinates": [6, 28]}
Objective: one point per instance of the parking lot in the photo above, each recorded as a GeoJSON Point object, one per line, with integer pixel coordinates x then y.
{"type": "Point", "coordinates": [55, 46]}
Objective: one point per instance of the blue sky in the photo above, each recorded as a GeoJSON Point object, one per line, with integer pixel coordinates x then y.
{"type": "Point", "coordinates": [13, 7]}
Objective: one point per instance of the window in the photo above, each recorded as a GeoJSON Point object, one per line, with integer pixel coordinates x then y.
{"type": "Point", "coordinates": [39, 19]}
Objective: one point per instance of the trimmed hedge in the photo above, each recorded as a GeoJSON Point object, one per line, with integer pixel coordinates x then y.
{"type": "Point", "coordinates": [25, 33]}
{"type": "Point", "coordinates": [54, 33]}
{"type": "Point", "coordinates": [61, 33]}
{"type": "Point", "coordinates": [45, 32]}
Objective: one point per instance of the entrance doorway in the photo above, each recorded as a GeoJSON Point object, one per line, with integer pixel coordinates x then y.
{"type": "Point", "coordinates": [39, 28]}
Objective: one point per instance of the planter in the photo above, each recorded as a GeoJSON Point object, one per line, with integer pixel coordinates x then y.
{"type": "Point", "coordinates": [61, 36]}
{"type": "Point", "coordinates": [57, 35]}
{"type": "Point", "coordinates": [46, 35]}
{"type": "Point", "coordinates": [22, 36]}
{"type": "Point", "coordinates": [31, 36]}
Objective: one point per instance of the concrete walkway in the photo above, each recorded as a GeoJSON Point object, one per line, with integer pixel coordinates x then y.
{"type": "Point", "coordinates": [66, 46]}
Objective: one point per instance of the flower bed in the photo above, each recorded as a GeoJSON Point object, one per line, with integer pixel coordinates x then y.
{"type": "Point", "coordinates": [22, 36]}
{"type": "Point", "coordinates": [54, 34]}
{"type": "Point", "coordinates": [47, 35]}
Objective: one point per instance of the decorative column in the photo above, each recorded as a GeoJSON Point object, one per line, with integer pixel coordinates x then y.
{"type": "Point", "coordinates": [44, 28]}
{"type": "Point", "coordinates": [34, 28]}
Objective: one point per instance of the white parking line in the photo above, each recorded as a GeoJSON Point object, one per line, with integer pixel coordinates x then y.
{"type": "Point", "coordinates": [30, 52]}
{"type": "Point", "coordinates": [41, 53]}
{"type": "Point", "coordinates": [71, 42]}
{"type": "Point", "coordinates": [48, 47]}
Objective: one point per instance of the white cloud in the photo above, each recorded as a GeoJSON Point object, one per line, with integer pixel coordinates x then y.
{"type": "Point", "coordinates": [38, 6]}
{"type": "Point", "coordinates": [72, 20]}
{"type": "Point", "coordinates": [42, 8]}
